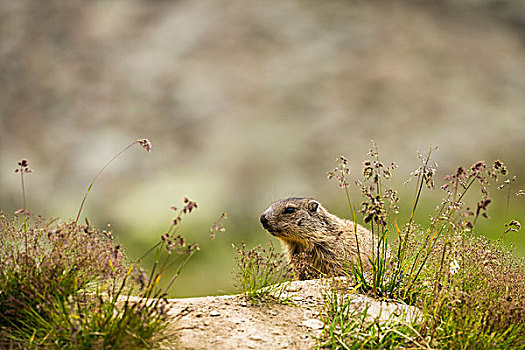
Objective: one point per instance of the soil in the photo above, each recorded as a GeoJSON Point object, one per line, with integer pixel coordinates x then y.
{"type": "Point", "coordinates": [231, 322]}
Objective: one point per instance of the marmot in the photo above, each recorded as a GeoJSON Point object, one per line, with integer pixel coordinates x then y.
{"type": "Point", "coordinates": [318, 243]}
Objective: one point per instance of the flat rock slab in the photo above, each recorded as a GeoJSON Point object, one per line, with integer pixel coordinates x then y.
{"type": "Point", "coordinates": [229, 322]}
{"type": "Point", "coordinates": [224, 323]}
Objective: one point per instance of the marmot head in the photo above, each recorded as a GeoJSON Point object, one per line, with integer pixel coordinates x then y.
{"type": "Point", "coordinates": [296, 219]}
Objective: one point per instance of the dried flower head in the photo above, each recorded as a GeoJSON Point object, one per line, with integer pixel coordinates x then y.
{"type": "Point", "coordinates": [218, 226]}
{"type": "Point", "coordinates": [22, 211]}
{"type": "Point", "coordinates": [145, 143]}
{"type": "Point", "coordinates": [482, 207]}
{"type": "Point", "coordinates": [426, 169]}
{"type": "Point", "coordinates": [513, 226]}
{"type": "Point", "coordinates": [507, 183]}
{"type": "Point", "coordinates": [340, 172]}
{"type": "Point", "coordinates": [478, 166]}
{"type": "Point", "coordinates": [498, 168]}
{"type": "Point", "coordinates": [373, 208]}
{"type": "Point", "coordinates": [189, 206]}
{"type": "Point", "coordinates": [23, 167]}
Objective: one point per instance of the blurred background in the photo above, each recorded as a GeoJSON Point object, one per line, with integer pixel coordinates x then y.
{"type": "Point", "coordinates": [249, 102]}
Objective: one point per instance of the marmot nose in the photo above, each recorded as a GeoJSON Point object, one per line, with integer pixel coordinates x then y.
{"type": "Point", "coordinates": [264, 220]}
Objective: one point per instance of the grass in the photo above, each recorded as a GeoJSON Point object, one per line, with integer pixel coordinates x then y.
{"type": "Point", "coordinates": [347, 327]}
{"type": "Point", "coordinates": [469, 289]}
{"type": "Point", "coordinates": [261, 274]}
{"type": "Point", "coordinates": [69, 285]}
{"type": "Point", "coordinates": [62, 286]}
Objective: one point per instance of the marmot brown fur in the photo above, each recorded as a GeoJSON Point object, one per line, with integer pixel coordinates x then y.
{"type": "Point", "coordinates": [318, 243]}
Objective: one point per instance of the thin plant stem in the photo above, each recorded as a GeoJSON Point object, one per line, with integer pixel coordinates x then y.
{"type": "Point", "coordinates": [177, 273]}
{"type": "Point", "coordinates": [98, 174]}
{"type": "Point", "coordinates": [506, 213]}
{"type": "Point", "coordinates": [354, 220]}
{"type": "Point", "coordinates": [508, 202]}
{"type": "Point", "coordinates": [23, 189]}
{"type": "Point", "coordinates": [24, 200]}
{"type": "Point", "coordinates": [417, 195]}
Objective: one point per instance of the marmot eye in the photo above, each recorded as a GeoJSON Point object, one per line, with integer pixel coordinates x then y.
{"type": "Point", "coordinates": [289, 210]}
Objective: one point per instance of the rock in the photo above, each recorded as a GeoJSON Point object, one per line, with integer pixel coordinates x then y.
{"type": "Point", "coordinates": [256, 338]}
{"type": "Point", "coordinates": [313, 323]}
{"type": "Point", "coordinates": [293, 288]}
{"type": "Point", "coordinates": [277, 326]}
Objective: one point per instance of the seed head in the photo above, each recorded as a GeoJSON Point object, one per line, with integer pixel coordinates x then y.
{"type": "Point", "coordinates": [145, 143]}
{"type": "Point", "coordinates": [23, 167]}
{"type": "Point", "coordinates": [513, 226]}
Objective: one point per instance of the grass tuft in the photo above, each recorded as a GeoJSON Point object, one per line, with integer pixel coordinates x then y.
{"type": "Point", "coordinates": [61, 285]}
{"type": "Point", "coordinates": [69, 286]}
{"type": "Point", "coordinates": [262, 274]}
{"type": "Point", "coordinates": [470, 289]}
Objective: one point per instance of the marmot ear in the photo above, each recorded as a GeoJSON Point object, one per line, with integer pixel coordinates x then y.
{"type": "Point", "coordinates": [313, 205]}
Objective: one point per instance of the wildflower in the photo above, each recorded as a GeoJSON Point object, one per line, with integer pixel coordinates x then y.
{"type": "Point", "coordinates": [454, 267]}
